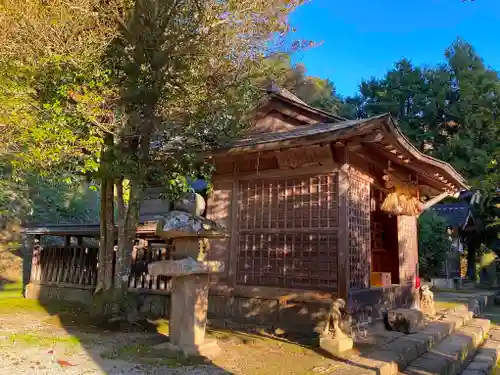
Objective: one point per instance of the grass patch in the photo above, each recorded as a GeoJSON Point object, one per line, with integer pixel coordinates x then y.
{"type": "Point", "coordinates": [65, 344]}
{"type": "Point", "coordinates": [44, 341]}
{"type": "Point", "coordinates": [14, 302]}
{"type": "Point", "coordinates": [457, 291]}
{"type": "Point", "coordinates": [496, 369]}
{"type": "Point", "coordinates": [147, 354]}
{"type": "Point", "coordinates": [444, 305]}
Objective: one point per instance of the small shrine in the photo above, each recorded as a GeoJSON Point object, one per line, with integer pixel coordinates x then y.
{"type": "Point", "coordinates": [190, 274]}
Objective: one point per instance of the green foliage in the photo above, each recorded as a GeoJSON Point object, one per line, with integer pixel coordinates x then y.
{"type": "Point", "coordinates": [433, 243]}
{"type": "Point", "coordinates": [317, 92]}
{"type": "Point", "coordinates": [449, 111]}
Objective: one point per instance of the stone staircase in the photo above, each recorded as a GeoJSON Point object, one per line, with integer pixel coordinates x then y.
{"type": "Point", "coordinates": [486, 356]}
{"type": "Point", "coordinates": [445, 346]}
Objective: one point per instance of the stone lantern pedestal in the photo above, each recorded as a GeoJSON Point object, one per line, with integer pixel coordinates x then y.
{"type": "Point", "coordinates": [190, 274]}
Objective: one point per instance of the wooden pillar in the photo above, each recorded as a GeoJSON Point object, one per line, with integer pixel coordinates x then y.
{"type": "Point", "coordinates": [343, 220]}
{"type": "Point", "coordinates": [407, 248]}
{"type": "Point", "coordinates": [222, 209]}
{"type": "Point", "coordinates": [29, 249]}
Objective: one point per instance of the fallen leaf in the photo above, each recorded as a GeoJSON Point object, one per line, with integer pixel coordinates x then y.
{"type": "Point", "coordinates": [64, 363]}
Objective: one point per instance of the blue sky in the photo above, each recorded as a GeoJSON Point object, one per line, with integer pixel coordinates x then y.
{"type": "Point", "coordinates": [363, 38]}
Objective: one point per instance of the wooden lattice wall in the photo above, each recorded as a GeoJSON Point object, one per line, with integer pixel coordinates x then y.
{"type": "Point", "coordinates": [287, 232]}
{"type": "Point", "coordinates": [359, 230]}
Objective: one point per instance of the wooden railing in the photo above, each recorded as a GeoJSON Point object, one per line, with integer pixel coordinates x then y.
{"type": "Point", "coordinates": [75, 265]}
{"type": "Point", "coordinates": [144, 253]}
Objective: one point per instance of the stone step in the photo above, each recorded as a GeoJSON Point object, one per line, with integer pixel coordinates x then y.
{"type": "Point", "coordinates": [487, 355]}
{"type": "Point", "coordinates": [394, 357]}
{"type": "Point", "coordinates": [452, 354]}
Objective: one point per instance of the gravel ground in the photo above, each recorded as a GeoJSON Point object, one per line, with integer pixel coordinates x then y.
{"type": "Point", "coordinates": [22, 360]}
{"type": "Point", "coordinates": [75, 359]}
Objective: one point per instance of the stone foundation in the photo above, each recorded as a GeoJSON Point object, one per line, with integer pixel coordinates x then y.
{"type": "Point", "coordinates": [372, 304]}
{"type": "Point", "coordinates": [243, 312]}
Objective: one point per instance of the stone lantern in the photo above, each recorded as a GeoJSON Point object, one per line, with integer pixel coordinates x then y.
{"type": "Point", "coordinates": [190, 273]}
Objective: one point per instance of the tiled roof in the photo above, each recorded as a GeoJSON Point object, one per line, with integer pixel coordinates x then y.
{"type": "Point", "coordinates": [287, 94]}
{"type": "Point", "coordinates": [455, 214]}
{"type": "Point", "coordinates": [336, 128]}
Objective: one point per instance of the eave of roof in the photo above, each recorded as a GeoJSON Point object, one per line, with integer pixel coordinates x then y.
{"type": "Point", "coordinates": [408, 146]}
{"type": "Point", "coordinates": [455, 215]}
{"type": "Point", "coordinates": [269, 141]}
{"type": "Point", "coordinates": [327, 132]}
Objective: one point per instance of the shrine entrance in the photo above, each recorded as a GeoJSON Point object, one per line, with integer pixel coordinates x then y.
{"type": "Point", "coordinates": [384, 240]}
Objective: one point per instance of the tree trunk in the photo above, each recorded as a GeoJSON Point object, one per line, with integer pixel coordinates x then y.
{"type": "Point", "coordinates": [127, 228]}
{"type": "Point", "coordinates": [101, 270]}
{"type": "Point", "coordinates": [472, 246]}
{"type": "Point", "coordinates": [110, 236]}
{"type": "Point", "coordinates": [107, 236]}
{"type": "Point", "coordinates": [471, 263]}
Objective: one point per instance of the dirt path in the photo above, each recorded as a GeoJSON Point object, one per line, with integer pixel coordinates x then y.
{"type": "Point", "coordinates": [36, 342]}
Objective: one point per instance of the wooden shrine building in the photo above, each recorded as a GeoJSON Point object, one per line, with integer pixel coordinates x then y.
{"type": "Point", "coordinates": [318, 207]}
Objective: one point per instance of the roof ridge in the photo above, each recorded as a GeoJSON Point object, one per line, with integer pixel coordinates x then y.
{"type": "Point", "coordinates": [287, 94]}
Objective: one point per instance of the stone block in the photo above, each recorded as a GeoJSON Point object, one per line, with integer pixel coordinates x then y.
{"type": "Point", "coordinates": [471, 372]}
{"type": "Point", "coordinates": [188, 315]}
{"type": "Point", "coordinates": [489, 351]}
{"type": "Point", "coordinates": [405, 320]}
{"type": "Point", "coordinates": [454, 349]}
{"type": "Point", "coordinates": [219, 306]}
{"type": "Point", "coordinates": [406, 349]}
{"type": "Point", "coordinates": [484, 324]}
{"type": "Point", "coordinates": [429, 363]}
{"type": "Point", "coordinates": [395, 359]}
{"type": "Point", "coordinates": [422, 342]}
{"type": "Point", "coordinates": [258, 310]}
{"type": "Point", "coordinates": [377, 366]}
{"type": "Point", "coordinates": [336, 346]}
{"type": "Point", "coordinates": [476, 333]}
{"type": "Point", "coordinates": [438, 331]}
{"type": "Point", "coordinates": [485, 367]}
{"type": "Point", "coordinates": [457, 319]}
{"type": "Point", "coordinates": [302, 316]}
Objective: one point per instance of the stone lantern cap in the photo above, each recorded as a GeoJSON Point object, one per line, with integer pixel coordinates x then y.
{"type": "Point", "coordinates": [179, 224]}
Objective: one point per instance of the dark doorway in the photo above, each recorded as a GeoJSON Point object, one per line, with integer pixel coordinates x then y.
{"type": "Point", "coordinates": [384, 238]}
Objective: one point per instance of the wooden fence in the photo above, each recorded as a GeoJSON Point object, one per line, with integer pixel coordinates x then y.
{"type": "Point", "coordinates": [76, 266]}
{"type": "Point", "coordinates": [144, 253]}
{"type": "Point", "coordinates": [65, 265]}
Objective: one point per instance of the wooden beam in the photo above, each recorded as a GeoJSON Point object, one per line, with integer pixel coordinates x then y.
{"type": "Point", "coordinates": [375, 137]}
{"type": "Point", "coordinates": [435, 200]}
{"type": "Point", "coordinates": [431, 177]}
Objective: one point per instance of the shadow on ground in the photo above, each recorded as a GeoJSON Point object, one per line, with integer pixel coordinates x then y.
{"type": "Point", "coordinates": [64, 336]}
